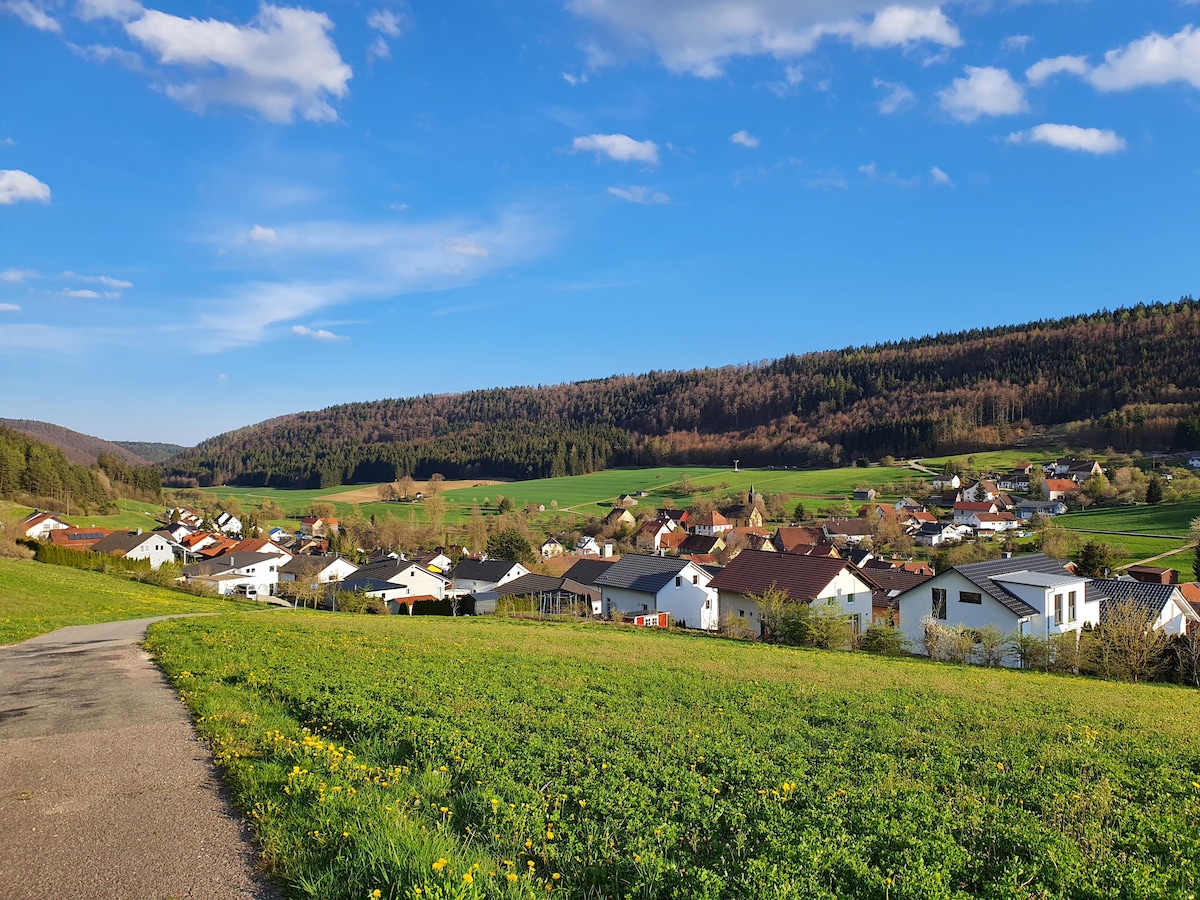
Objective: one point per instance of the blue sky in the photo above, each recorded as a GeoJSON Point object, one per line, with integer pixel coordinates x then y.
{"type": "Point", "coordinates": [215, 213]}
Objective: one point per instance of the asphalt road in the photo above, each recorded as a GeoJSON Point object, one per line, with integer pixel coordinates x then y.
{"type": "Point", "coordinates": [104, 790]}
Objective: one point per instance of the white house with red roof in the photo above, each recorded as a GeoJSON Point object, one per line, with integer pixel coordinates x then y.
{"type": "Point", "coordinates": [38, 525]}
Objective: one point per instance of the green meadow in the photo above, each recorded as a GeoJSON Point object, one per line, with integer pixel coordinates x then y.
{"type": "Point", "coordinates": [472, 758]}
{"type": "Point", "coordinates": [36, 598]}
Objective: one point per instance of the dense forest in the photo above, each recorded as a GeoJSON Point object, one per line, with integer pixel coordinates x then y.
{"type": "Point", "coordinates": [41, 474]}
{"type": "Point", "coordinates": [80, 448]}
{"type": "Point", "coordinates": [1126, 378]}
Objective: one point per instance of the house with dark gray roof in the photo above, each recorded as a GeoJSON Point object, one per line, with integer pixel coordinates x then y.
{"type": "Point", "coordinates": [637, 583]}
{"type": "Point", "coordinates": [1164, 605]}
{"type": "Point", "coordinates": [154, 546]}
{"type": "Point", "coordinates": [418, 579]}
{"type": "Point", "coordinates": [1033, 595]}
{"type": "Point", "coordinates": [472, 576]}
{"type": "Point", "coordinates": [317, 569]}
{"type": "Point", "coordinates": [237, 573]}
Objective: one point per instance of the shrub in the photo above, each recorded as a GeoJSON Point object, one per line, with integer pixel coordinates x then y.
{"type": "Point", "coordinates": [884, 640]}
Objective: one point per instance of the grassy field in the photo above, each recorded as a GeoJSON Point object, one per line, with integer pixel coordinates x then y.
{"type": "Point", "coordinates": [592, 495]}
{"type": "Point", "coordinates": [36, 598]}
{"type": "Point", "coordinates": [468, 758]}
{"type": "Point", "coordinates": [1163, 518]}
{"type": "Point", "coordinates": [132, 516]}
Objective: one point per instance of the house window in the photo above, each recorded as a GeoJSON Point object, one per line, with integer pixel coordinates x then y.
{"type": "Point", "coordinates": [856, 623]}
{"type": "Point", "coordinates": [970, 597]}
{"type": "Point", "coordinates": [1058, 609]}
{"type": "Point", "coordinates": [708, 604]}
{"type": "Point", "coordinates": [1071, 606]}
{"type": "Point", "coordinates": [678, 581]}
{"type": "Point", "coordinates": [939, 603]}
{"type": "Point", "coordinates": [695, 579]}
{"type": "Point", "coordinates": [741, 614]}
{"type": "Point", "coordinates": [849, 598]}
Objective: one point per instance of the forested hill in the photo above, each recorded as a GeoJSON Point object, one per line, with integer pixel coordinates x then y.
{"type": "Point", "coordinates": [1126, 377]}
{"type": "Point", "coordinates": [82, 449]}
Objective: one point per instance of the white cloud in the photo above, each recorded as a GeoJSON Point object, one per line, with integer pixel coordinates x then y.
{"type": "Point", "coordinates": [465, 247]}
{"type": "Point", "coordinates": [870, 170]}
{"type": "Point", "coordinates": [81, 294]}
{"type": "Point", "coordinates": [897, 98]}
{"type": "Point", "coordinates": [1043, 69]}
{"type": "Point", "coordinates": [260, 235]}
{"type": "Point", "coordinates": [122, 10]}
{"type": "Point", "coordinates": [397, 206]}
{"type": "Point", "coordinates": [1015, 43]}
{"type": "Point", "coordinates": [636, 193]}
{"type": "Point", "coordinates": [984, 92]}
{"type": "Point", "coordinates": [574, 79]}
{"type": "Point", "coordinates": [700, 36]}
{"type": "Point", "coordinates": [16, 186]}
{"type": "Point", "coordinates": [106, 280]}
{"type": "Point", "coordinates": [16, 276]}
{"type": "Point", "coordinates": [388, 24]}
{"type": "Point", "coordinates": [32, 15]}
{"type": "Point", "coordinates": [744, 138]}
{"type": "Point", "coordinates": [1071, 137]}
{"type": "Point", "coordinates": [1153, 60]}
{"type": "Point", "coordinates": [620, 147]}
{"type": "Point", "coordinates": [104, 53]}
{"type": "Point", "coordinates": [319, 334]}
{"type": "Point", "coordinates": [940, 177]}
{"type": "Point", "coordinates": [9, 307]}
{"type": "Point", "coordinates": [282, 64]}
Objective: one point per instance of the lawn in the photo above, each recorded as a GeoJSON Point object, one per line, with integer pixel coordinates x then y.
{"type": "Point", "coordinates": [416, 758]}
{"type": "Point", "coordinates": [1162, 518]}
{"type": "Point", "coordinates": [36, 598]}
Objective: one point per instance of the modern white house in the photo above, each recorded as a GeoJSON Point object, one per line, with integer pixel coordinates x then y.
{"type": "Point", "coordinates": [237, 573]}
{"type": "Point", "coordinates": [993, 522]}
{"type": "Point", "coordinates": [815, 580]}
{"type": "Point", "coordinates": [637, 583]}
{"type": "Point", "coordinates": [946, 482]}
{"type": "Point", "coordinates": [587, 546]}
{"type": "Point", "coordinates": [1164, 604]}
{"type": "Point", "coordinates": [420, 581]}
{"type": "Point", "coordinates": [1033, 595]}
{"type": "Point", "coordinates": [316, 569]}
{"type": "Point", "coordinates": [552, 547]}
{"type": "Point", "coordinates": [473, 576]}
{"type": "Point", "coordinates": [710, 524]}
{"type": "Point", "coordinates": [154, 546]}
{"type": "Point", "coordinates": [229, 524]}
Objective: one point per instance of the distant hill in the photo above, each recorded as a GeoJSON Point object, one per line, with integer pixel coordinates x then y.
{"type": "Point", "coordinates": [1126, 378]}
{"type": "Point", "coordinates": [81, 449]}
{"type": "Point", "coordinates": [151, 451]}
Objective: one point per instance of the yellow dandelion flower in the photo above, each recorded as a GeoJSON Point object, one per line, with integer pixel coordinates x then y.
{"type": "Point", "coordinates": [441, 864]}
{"type": "Point", "coordinates": [376, 894]}
{"type": "Point", "coordinates": [468, 878]}
{"type": "Point", "coordinates": [511, 876]}
{"type": "Point", "coordinates": [556, 876]}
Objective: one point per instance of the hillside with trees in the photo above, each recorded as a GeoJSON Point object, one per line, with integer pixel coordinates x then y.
{"type": "Point", "coordinates": [1125, 378]}
{"type": "Point", "coordinates": [82, 449]}
{"type": "Point", "coordinates": [151, 451]}
{"type": "Point", "coordinates": [39, 474]}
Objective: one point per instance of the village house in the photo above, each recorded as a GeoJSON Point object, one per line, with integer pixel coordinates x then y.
{"type": "Point", "coordinates": [946, 482]}
{"type": "Point", "coordinates": [963, 511]}
{"type": "Point", "coordinates": [625, 501]}
{"type": "Point", "coordinates": [650, 534]}
{"type": "Point", "coordinates": [318, 527]}
{"type": "Point", "coordinates": [619, 518]}
{"type": "Point", "coordinates": [1164, 605]}
{"type": "Point", "coordinates": [1077, 470]}
{"type": "Point", "coordinates": [802, 579]}
{"type": "Point", "coordinates": [1153, 574]}
{"type": "Point", "coordinates": [680, 517]}
{"type": "Point", "coordinates": [552, 547]}
{"type": "Point", "coordinates": [316, 569]}
{"type": "Point", "coordinates": [743, 516]}
{"type": "Point", "coordinates": [229, 524]}
{"type": "Point", "coordinates": [981, 491]}
{"type": "Point", "coordinates": [581, 578]}
{"type": "Point", "coordinates": [909, 505]}
{"type": "Point", "coordinates": [1015, 481]}
{"type": "Point", "coordinates": [472, 576]}
{"type": "Point", "coordinates": [77, 538]}
{"type": "Point", "coordinates": [137, 545]}
{"type": "Point", "coordinates": [419, 581]}
{"type": "Point", "coordinates": [702, 544]}
{"type": "Point", "coordinates": [1061, 489]}
{"type": "Point", "coordinates": [587, 546]}
{"type": "Point", "coordinates": [788, 537]}
{"type": "Point", "coordinates": [711, 523]}
{"type": "Point", "coordinates": [865, 494]}
{"type": "Point", "coordinates": [934, 534]}
{"type": "Point", "coordinates": [993, 522]}
{"type": "Point", "coordinates": [37, 525]}
{"type": "Point", "coordinates": [1027, 509]}
{"type": "Point", "coordinates": [1033, 595]}
{"type": "Point", "coordinates": [847, 532]}
{"type": "Point", "coordinates": [248, 574]}
{"type": "Point", "coordinates": [637, 584]}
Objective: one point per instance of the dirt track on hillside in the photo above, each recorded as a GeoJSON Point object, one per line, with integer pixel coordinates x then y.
{"type": "Point", "coordinates": [371, 494]}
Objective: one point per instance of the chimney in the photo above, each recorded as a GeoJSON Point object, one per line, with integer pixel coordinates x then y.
{"type": "Point", "coordinates": [231, 561]}
{"type": "Point", "coordinates": [139, 531]}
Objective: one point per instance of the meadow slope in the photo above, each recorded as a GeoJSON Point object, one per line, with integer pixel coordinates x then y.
{"type": "Point", "coordinates": [397, 757]}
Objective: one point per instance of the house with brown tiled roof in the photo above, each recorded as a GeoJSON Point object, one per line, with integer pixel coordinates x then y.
{"type": "Point", "coordinates": [650, 534]}
{"type": "Point", "coordinates": [1060, 488]}
{"type": "Point", "coordinates": [743, 516]}
{"type": "Point", "coordinates": [802, 579]}
{"type": "Point", "coordinates": [37, 525]}
{"type": "Point", "coordinates": [789, 537]}
{"type": "Point", "coordinates": [78, 538]}
{"type": "Point", "coordinates": [619, 518]}
{"type": "Point", "coordinates": [711, 523]}
{"type": "Point", "coordinates": [317, 526]}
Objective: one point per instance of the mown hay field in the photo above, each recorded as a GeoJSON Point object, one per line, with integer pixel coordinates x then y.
{"type": "Point", "coordinates": [475, 758]}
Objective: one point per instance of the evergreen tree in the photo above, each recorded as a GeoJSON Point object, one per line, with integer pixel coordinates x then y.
{"type": "Point", "coordinates": [510, 544]}
{"type": "Point", "coordinates": [1094, 559]}
{"type": "Point", "coordinates": [1154, 491]}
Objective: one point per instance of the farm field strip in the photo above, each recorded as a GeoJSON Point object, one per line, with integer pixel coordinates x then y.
{"type": "Point", "coordinates": [477, 758]}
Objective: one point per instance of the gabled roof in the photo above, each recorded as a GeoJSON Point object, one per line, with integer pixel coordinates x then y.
{"type": "Point", "coordinates": [77, 537]}
{"type": "Point", "coordinates": [981, 574]}
{"type": "Point", "coordinates": [674, 540]}
{"type": "Point", "coordinates": [124, 541]}
{"type": "Point", "coordinates": [224, 564]}
{"type": "Point", "coordinates": [586, 571]}
{"type": "Point", "coordinates": [800, 577]}
{"type": "Point", "coordinates": [309, 565]}
{"type": "Point", "coordinates": [1065, 485]}
{"type": "Point", "coordinates": [482, 570]}
{"type": "Point", "coordinates": [387, 569]}
{"type": "Point", "coordinates": [985, 506]}
{"type": "Point", "coordinates": [711, 519]}
{"type": "Point", "coordinates": [642, 573]}
{"type": "Point", "coordinates": [366, 584]}
{"type": "Point", "coordinates": [848, 527]}
{"type": "Point", "coordinates": [530, 584]}
{"type": "Point", "coordinates": [788, 537]}
{"type": "Point", "coordinates": [1146, 597]}
{"type": "Point", "coordinates": [700, 543]}
{"type": "Point", "coordinates": [995, 517]}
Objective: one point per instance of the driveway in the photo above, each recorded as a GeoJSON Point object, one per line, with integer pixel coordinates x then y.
{"type": "Point", "coordinates": [104, 790]}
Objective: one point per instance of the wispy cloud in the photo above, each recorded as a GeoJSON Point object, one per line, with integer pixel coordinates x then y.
{"type": "Point", "coordinates": [744, 138]}
{"type": "Point", "coordinates": [32, 15]}
{"type": "Point", "coordinates": [940, 177]}
{"type": "Point", "coordinates": [9, 307]}
{"type": "Point", "coordinates": [260, 235]}
{"type": "Point", "coordinates": [897, 98]}
{"type": "Point", "coordinates": [317, 334]}
{"type": "Point", "coordinates": [636, 193]}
